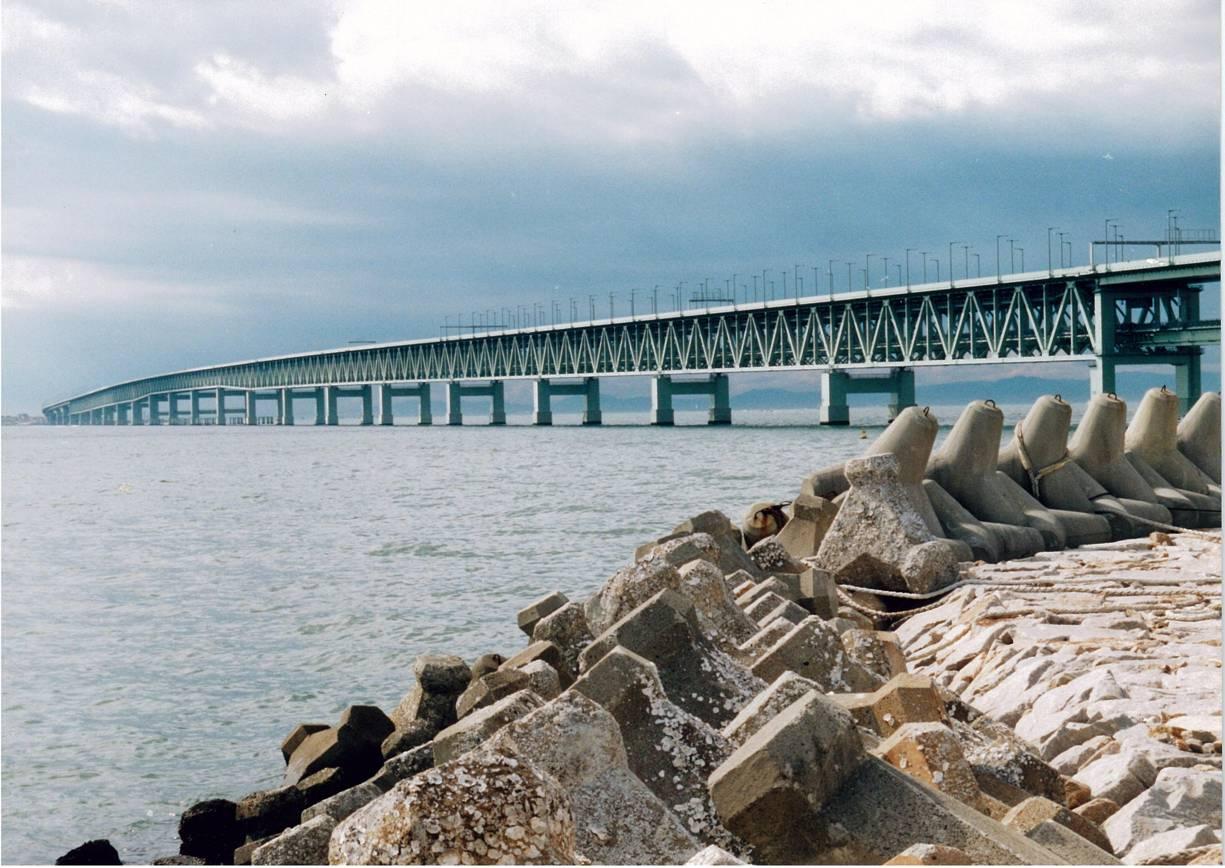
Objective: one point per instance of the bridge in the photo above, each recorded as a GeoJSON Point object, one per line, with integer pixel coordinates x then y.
{"type": "Point", "coordinates": [1139, 312]}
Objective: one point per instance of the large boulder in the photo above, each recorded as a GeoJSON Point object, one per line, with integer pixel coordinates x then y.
{"type": "Point", "coordinates": [697, 676]}
{"type": "Point", "coordinates": [97, 852]}
{"type": "Point", "coordinates": [345, 748]}
{"type": "Point", "coordinates": [489, 689]}
{"type": "Point", "coordinates": [567, 629]}
{"type": "Point", "coordinates": [814, 649]}
{"type": "Point", "coordinates": [404, 765]}
{"type": "Point", "coordinates": [305, 844]}
{"type": "Point", "coordinates": [440, 681]}
{"type": "Point", "coordinates": [1178, 798]}
{"type": "Point", "coordinates": [484, 808]}
{"type": "Point", "coordinates": [466, 734]}
{"type": "Point", "coordinates": [770, 790]}
{"type": "Point", "coordinates": [879, 540]}
{"type": "Point", "coordinates": [210, 830]}
{"type": "Point", "coordinates": [530, 615]}
{"type": "Point", "coordinates": [810, 519]}
{"type": "Point", "coordinates": [298, 735]}
{"type": "Point", "coordinates": [618, 820]}
{"type": "Point", "coordinates": [344, 803]}
{"type": "Point", "coordinates": [269, 812]}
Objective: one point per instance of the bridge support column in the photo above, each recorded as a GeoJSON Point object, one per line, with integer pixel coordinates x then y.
{"type": "Point", "coordinates": [138, 412]}
{"type": "Point", "coordinates": [425, 415]}
{"type": "Point", "coordinates": [330, 394]}
{"type": "Point", "coordinates": [385, 413]}
{"type": "Point", "coordinates": [155, 410]}
{"type": "Point", "coordinates": [898, 384]}
{"type": "Point", "coordinates": [716, 386]}
{"type": "Point", "coordinates": [122, 412]}
{"type": "Point", "coordinates": [219, 397]}
{"type": "Point", "coordinates": [172, 408]}
{"type": "Point", "coordinates": [108, 415]}
{"type": "Point", "coordinates": [367, 396]}
{"type": "Point", "coordinates": [251, 418]}
{"type": "Point", "coordinates": [497, 403]}
{"type": "Point", "coordinates": [494, 391]}
{"type": "Point", "coordinates": [1188, 379]}
{"type": "Point", "coordinates": [421, 391]}
{"type": "Point", "coordinates": [661, 400]}
{"type": "Point", "coordinates": [321, 414]}
{"type": "Point", "coordinates": [195, 407]}
{"type": "Point", "coordinates": [455, 412]}
{"type": "Point", "coordinates": [286, 406]}
{"type": "Point", "coordinates": [1101, 376]}
{"type": "Point", "coordinates": [587, 388]}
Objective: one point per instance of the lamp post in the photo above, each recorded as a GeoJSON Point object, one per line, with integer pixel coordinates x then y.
{"type": "Point", "coordinates": [831, 279]}
{"type": "Point", "coordinates": [924, 254]}
{"type": "Point", "coordinates": [1012, 256]}
{"type": "Point", "coordinates": [1021, 250]}
{"type": "Point", "coordinates": [998, 277]}
{"type": "Point", "coordinates": [937, 261]}
{"type": "Point", "coordinates": [754, 287]}
{"type": "Point", "coordinates": [978, 266]}
{"type": "Point", "coordinates": [1050, 268]}
{"type": "Point", "coordinates": [965, 249]}
{"type": "Point", "coordinates": [867, 267]}
{"type": "Point", "coordinates": [951, 243]}
{"type": "Point", "coordinates": [799, 285]}
{"type": "Point", "coordinates": [849, 282]}
{"type": "Point", "coordinates": [763, 283]}
{"type": "Point", "coordinates": [886, 258]}
{"type": "Point", "coordinates": [1069, 243]}
{"type": "Point", "coordinates": [1106, 238]}
{"type": "Point", "coordinates": [1060, 234]}
{"type": "Point", "coordinates": [908, 251]}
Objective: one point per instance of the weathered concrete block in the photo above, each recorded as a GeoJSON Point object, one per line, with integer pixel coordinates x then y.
{"type": "Point", "coordinates": [907, 699]}
{"type": "Point", "coordinates": [542, 679]}
{"type": "Point", "coordinates": [879, 540]}
{"type": "Point", "coordinates": [322, 784]}
{"type": "Point", "coordinates": [713, 855]}
{"type": "Point", "coordinates": [782, 692]}
{"type": "Point", "coordinates": [305, 844]}
{"type": "Point", "coordinates": [485, 807]}
{"type": "Point", "coordinates": [489, 689]}
{"type": "Point", "coordinates": [404, 765]}
{"type": "Point", "coordinates": [269, 812]}
{"type": "Point", "coordinates": [931, 753]}
{"type": "Point", "coordinates": [407, 737]}
{"type": "Point", "coordinates": [771, 557]}
{"type": "Point", "coordinates": [998, 755]}
{"type": "Point", "coordinates": [876, 651]}
{"type": "Point", "coordinates": [298, 735]}
{"type": "Point", "coordinates": [343, 803]}
{"type": "Point", "coordinates": [461, 737]}
{"type": "Point", "coordinates": [567, 629]}
{"type": "Point", "coordinates": [810, 520]}
{"type": "Point", "coordinates": [930, 854]}
{"type": "Point", "coordinates": [757, 604]}
{"type": "Point", "coordinates": [819, 593]}
{"type": "Point", "coordinates": [761, 641]}
{"type": "Point", "coordinates": [670, 750]}
{"type": "Point", "coordinates": [1097, 810]}
{"type": "Point", "coordinates": [720, 618]}
{"type": "Point", "coordinates": [697, 676]}
{"type": "Point", "coordinates": [366, 722]}
{"type": "Point", "coordinates": [546, 651]}
{"type": "Point", "coordinates": [1036, 810]}
{"type": "Point", "coordinates": [529, 616]}
{"type": "Point", "coordinates": [210, 830]}
{"type": "Point", "coordinates": [442, 673]}
{"type": "Point", "coordinates": [859, 706]}
{"type": "Point", "coordinates": [770, 789]}
{"type": "Point", "coordinates": [618, 820]}
{"type": "Point", "coordinates": [333, 748]}
{"type": "Point", "coordinates": [813, 649]}
{"type": "Point", "coordinates": [768, 585]}
{"type": "Point", "coordinates": [788, 611]}
{"type": "Point", "coordinates": [627, 589]}
{"type": "Point", "coordinates": [440, 681]}
{"type": "Point", "coordinates": [732, 556]}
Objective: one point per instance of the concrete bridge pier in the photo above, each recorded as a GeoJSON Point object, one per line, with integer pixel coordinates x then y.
{"type": "Point", "coordinates": [108, 415]}
{"type": "Point", "coordinates": [195, 407]}
{"type": "Point", "coordinates": [285, 407]}
{"type": "Point", "coordinates": [331, 394]}
{"type": "Point", "coordinates": [588, 388]}
{"type": "Point", "coordinates": [121, 413]}
{"type": "Point", "coordinates": [138, 412]}
{"type": "Point", "coordinates": [321, 415]}
{"type": "Point", "coordinates": [172, 407]}
{"type": "Point", "coordinates": [251, 417]}
{"type": "Point", "coordinates": [420, 391]}
{"type": "Point", "coordinates": [663, 388]}
{"type": "Point", "coordinates": [837, 385]}
{"type": "Point", "coordinates": [219, 397]}
{"type": "Point", "coordinates": [155, 409]}
{"type": "Point", "coordinates": [1188, 373]}
{"type": "Point", "coordinates": [494, 391]}
{"type": "Point", "coordinates": [367, 395]}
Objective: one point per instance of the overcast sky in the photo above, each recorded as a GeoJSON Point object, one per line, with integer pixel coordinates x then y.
{"type": "Point", "coordinates": [188, 183]}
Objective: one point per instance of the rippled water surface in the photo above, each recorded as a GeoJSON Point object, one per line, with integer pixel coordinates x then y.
{"type": "Point", "coordinates": [176, 600]}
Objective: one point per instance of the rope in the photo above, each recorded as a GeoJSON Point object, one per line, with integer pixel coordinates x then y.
{"type": "Point", "coordinates": [1036, 476]}
{"type": "Point", "coordinates": [1160, 525]}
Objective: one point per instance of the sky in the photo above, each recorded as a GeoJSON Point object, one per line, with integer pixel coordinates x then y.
{"type": "Point", "coordinates": [194, 183]}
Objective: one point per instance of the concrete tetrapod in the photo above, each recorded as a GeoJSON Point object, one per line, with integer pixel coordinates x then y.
{"type": "Point", "coordinates": [1037, 459]}
{"type": "Point", "coordinates": [1199, 435]}
{"type": "Point", "coordinates": [1153, 435]}
{"type": "Point", "coordinates": [1097, 446]}
{"type": "Point", "coordinates": [909, 437]}
{"type": "Point", "coordinates": [966, 468]}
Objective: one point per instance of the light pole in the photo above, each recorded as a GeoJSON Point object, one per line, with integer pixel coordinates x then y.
{"type": "Point", "coordinates": [908, 252]}
{"type": "Point", "coordinates": [1106, 238]}
{"type": "Point", "coordinates": [965, 249]}
{"type": "Point", "coordinates": [655, 300]}
{"type": "Point", "coordinates": [937, 261]}
{"type": "Point", "coordinates": [886, 258]}
{"type": "Point", "coordinates": [978, 266]}
{"type": "Point", "coordinates": [899, 273]}
{"type": "Point", "coordinates": [831, 278]}
{"type": "Point", "coordinates": [1012, 256]}
{"type": "Point", "coordinates": [799, 284]}
{"type": "Point", "coordinates": [849, 282]}
{"type": "Point", "coordinates": [1069, 243]}
{"type": "Point", "coordinates": [1061, 234]}
{"type": "Point", "coordinates": [1021, 250]}
{"type": "Point", "coordinates": [951, 243]}
{"type": "Point", "coordinates": [867, 267]}
{"type": "Point", "coordinates": [924, 254]}
{"type": "Point", "coordinates": [1050, 268]}
{"type": "Point", "coordinates": [763, 283]}
{"type": "Point", "coordinates": [998, 277]}
{"type": "Point", "coordinates": [754, 287]}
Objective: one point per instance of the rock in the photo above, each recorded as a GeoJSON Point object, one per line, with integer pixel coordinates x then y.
{"type": "Point", "coordinates": [344, 803]}
{"type": "Point", "coordinates": [617, 819]}
{"type": "Point", "coordinates": [878, 652]}
{"type": "Point", "coordinates": [1161, 847]}
{"type": "Point", "coordinates": [567, 629]}
{"type": "Point", "coordinates": [998, 755]}
{"type": "Point", "coordinates": [97, 852]}
{"type": "Point", "coordinates": [907, 699]}
{"type": "Point", "coordinates": [210, 830]}
{"type": "Point", "coordinates": [1097, 810]}
{"type": "Point", "coordinates": [1034, 810]}
{"type": "Point", "coordinates": [469, 732]}
{"type": "Point", "coordinates": [1119, 777]}
{"type": "Point", "coordinates": [366, 722]}
{"type": "Point", "coordinates": [880, 811]}
{"type": "Point", "coordinates": [407, 737]}
{"type": "Point", "coordinates": [931, 753]}
{"type": "Point", "coordinates": [930, 854]}
{"type": "Point", "coordinates": [721, 620]}
{"type": "Point", "coordinates": [878, 538]}
{"type": "Point", "coordinates": [485, 664]}
{"type": "Point", "coordinates": [787, 610]}
{"type": "Point", "coordinates": [670, 750]}
{"type": "Point", "coordinates": [441, 678]}
{"type": "Point", "coordinates": [769, 585]}
{"type": "Point", "coordinates": [542, 679]}
{"type": "Point", "coordinates": [810, 519]}
{"type": "Point", "coordinates": [321, 785]}
{"type": "Point", "coordinates": [530, 615]}
{"type": "Point", "coordinates": [541, 650]}
{"type": "Point", "coordinates": [299, 734]}
{"type": "Point", "coordinates": [182, 860]}
{"type": "Point", "coordinates": [489, 689]}
{"type": "Point", "coordinates": [486, 807]}
{"type": "Point", "coordinates": [697, 676]}
{"type": "Point", "coordinates": [305, 844]}
{"type": "Point", "coordinates": [1070, 847]}
{"type": "Point", "coordinates": [269, 812]}
{"type": "Point", "coordinates": [1075, 793]}
{"type": "Point", "coordinates": [404, 765]}
{"type": "Point", "coordinates": [713, 855]}
{"type": "Point", "coordinates": [242, 854]}
{"type": "Point", "coordinates": [442, 673]}
{"type": "Point", "coordinates": [814, 650]}
{"type": "Point", "coordinates": [770, 789]}
{"type": "Point", "coordinates": [782, 692]}
{"type": "Point", "coordinates": [333, 748]}
{"type": "Point", "coordinates": [761, 641]}
{"type": "Point", "coordinates": [755, 606]}
{"type": "Point", "coordinates": [771, 557]}
{"type": "Point", "coordinates": [1177, 798]}
{"type": "Point", "coordinates": [732, 556]}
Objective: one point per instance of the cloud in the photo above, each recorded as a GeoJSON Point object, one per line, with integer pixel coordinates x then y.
{"type": "Point", "coordinates": [245, 88]}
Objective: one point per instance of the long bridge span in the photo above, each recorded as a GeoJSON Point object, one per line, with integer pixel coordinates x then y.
{"type": "Point", "coordinates": [1125, 313]}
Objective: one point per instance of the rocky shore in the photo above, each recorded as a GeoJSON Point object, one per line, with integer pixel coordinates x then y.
{"type": "Point", "coordinates": [920, 660]}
